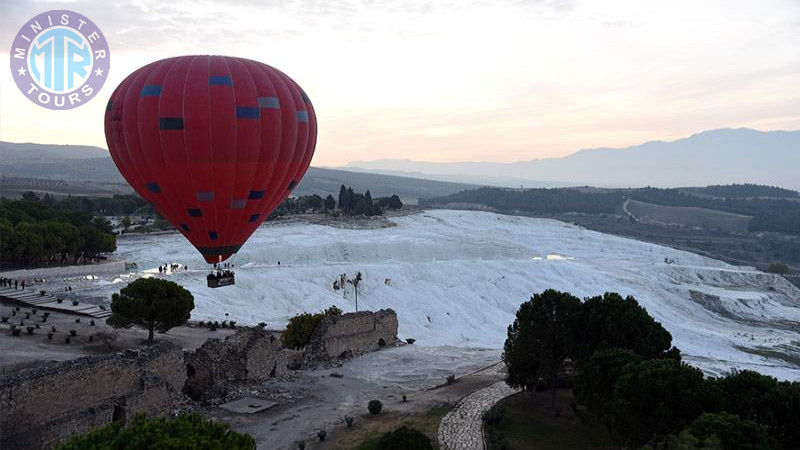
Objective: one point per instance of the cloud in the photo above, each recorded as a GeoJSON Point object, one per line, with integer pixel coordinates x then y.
{"type": "Point", "coordinates": [465, 79]}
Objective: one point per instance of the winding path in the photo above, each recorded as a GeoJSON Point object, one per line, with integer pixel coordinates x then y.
{"type": "Point", "coordinates": [462, 427]}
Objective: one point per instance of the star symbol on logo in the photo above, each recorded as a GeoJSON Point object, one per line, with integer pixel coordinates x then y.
{"type": "Point", "coordinates": [21, 71]}
{"type": "Point", "coordinates": [99, 72]}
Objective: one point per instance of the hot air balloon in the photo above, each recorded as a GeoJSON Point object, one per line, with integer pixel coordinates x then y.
{"type": "Point", "coordinates": [215, 143]}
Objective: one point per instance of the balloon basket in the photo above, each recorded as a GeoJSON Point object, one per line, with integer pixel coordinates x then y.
{"type": "Point", "coordinates": [221, 281]}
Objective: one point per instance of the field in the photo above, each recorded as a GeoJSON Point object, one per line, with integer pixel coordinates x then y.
{"type": "Point", "coordinates": [691, 217]}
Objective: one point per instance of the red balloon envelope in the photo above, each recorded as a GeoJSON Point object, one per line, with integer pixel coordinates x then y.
{"type": "Point", "coordinates": [215, 143]}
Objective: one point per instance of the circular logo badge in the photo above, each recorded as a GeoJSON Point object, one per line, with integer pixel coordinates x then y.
{"type": "Point", "coordinates": [60, 59]}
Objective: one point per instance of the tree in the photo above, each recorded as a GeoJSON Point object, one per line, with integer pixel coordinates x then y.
{"type": "Point", "coordinates": [151, 303]}
{"type": "Point", "coordinates": [187, 431]}
{"type": "Point", "coordinates": [126, 223]}
{"type": "Point", "coordinates": [655, 398]}
{"type": "Point", "coordinates": [330, 203]}
{"type": "Point", "coordinates": [344, 201]}
{"type": "Point", "coordinates": [594, 384]}
{"type": "Point", "coordinates": [540, 340]}
{"type": "Point", "coordinates": [779, 268]}
{"type": "Point", "coordinates": [394, 202]}
{"type": "Point", "coordinates": [732, 432]}
{"type": "Point", "coordinates": [763, 399]}
{"type": "Point", "coordinates": [355, 281]}
{"type": "Point", "coordinates": [610, 321]}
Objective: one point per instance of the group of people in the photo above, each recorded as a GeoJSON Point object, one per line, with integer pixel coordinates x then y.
{"type": "Point", "coordinates": [170, 268]}
{"type": "Point", "coordinates": [221, 270]}
{"type": "Point", "coordinates": [219, 273]}
{"type": "Point", "coordinates": [9, 283]}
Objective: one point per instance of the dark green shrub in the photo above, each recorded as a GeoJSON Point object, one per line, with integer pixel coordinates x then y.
{"type": "Point", "coordinates": [187, 431]}
{"type": "Point", "coordinates": [731, 431]}
{"type": "Point", "coordinates": [322, 434]}
{"type": "Point", "coordinates": [349, 421]}
{"type": "Point", "coordinates": [404, 438]}
{"type": "Point", "coordinates": [299, 330]}
{"type": "Point", "coordinates": [73, 333]}
{"type": "Point", "coordinates": [75, 303]}
{"type": "Point", "coordinates": [375, 407]}
{"type": "Point", "coordinates": [411, 340]}
{"type": "Point", "coordinates": [4, 319]}
{"type": "Point", "coordinates": [15, 331]}
{"type": "Point", "coordinates": [262, 324]}
{"type": "Point", "coordinates": [30, 329]}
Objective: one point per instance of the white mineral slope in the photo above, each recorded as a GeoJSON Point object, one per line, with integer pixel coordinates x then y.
{"type": "Point", "coordinates": [456, 278]}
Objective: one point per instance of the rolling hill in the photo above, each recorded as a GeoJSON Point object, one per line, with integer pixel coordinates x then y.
{"type": "Point", "coordinates": [723, 156]}
{"type": "Point", "coordinates": [21, 165]}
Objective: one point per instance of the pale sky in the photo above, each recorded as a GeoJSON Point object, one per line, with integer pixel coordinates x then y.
{"type": "Point", "coordinates": [460, 80]}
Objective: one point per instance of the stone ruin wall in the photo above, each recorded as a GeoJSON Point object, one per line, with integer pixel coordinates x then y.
{"type": "Point", "coordinates": [42, 406]}
{"type": "Point", "coordinates": [352, 334]}
{"type": "Point", "coordinates": [248, 355]}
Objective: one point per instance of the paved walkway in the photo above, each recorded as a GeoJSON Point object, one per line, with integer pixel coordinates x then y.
{"type": "Point", "coordinates": [32, 298]}
{"type": "Point", "coordinates": [462, 427]}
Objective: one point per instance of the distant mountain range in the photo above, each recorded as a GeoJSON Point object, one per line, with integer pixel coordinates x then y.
{"type": "Point", "coordinates": [85, 170]}
{"type": "Point", "coordinates": [721, 156]}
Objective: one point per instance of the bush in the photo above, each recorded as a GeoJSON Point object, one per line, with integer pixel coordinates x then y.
{"type": "Point", "coordinates": [73, 333]}
{"type": "Point", "coordinates": [91, 323]}
{"type": "Point", "coordinates": [30, 329]}
{"type": "Point", "coordinates": [375, 407]}
{"type": "Point", "coordinates": [731, 431]}
{"type": "Point", "coordinates": [75, 303]}
{"type": "Point", "coordinates": [451, 379]}
{"type": "Point", "coordinates": [411, 340]}
{"type": "Point", "coordinates": [184, 432]}
{"type": "Point", "coordinates": [262, 324]}
{"type": "Point", "coordinates": [67, 339]}
{"type": "Point", "coordinates": [212, 326]}
{"type": "Point", "coordinates": [4, 319]}
{"type": "Point", "coordinates": [404, 438]}
{"type": "Point", "coordinates": [349, 421]}
{"type": "Point", "coordinates": [322, 434]}
{"type": "Point", "coordinates": [50, 335]}
{"type": "Point", "coordinates": [15, 331]}
{"type": "Point", "coordinates": [299, 330]}
{"type": "Point", "coordinates": [78, 320]}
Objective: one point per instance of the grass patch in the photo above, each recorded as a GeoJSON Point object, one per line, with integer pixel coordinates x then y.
{"type": "Point", "coordinates": [367, 429]}
{"type": "Point", "coordinates": [528, 423]}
